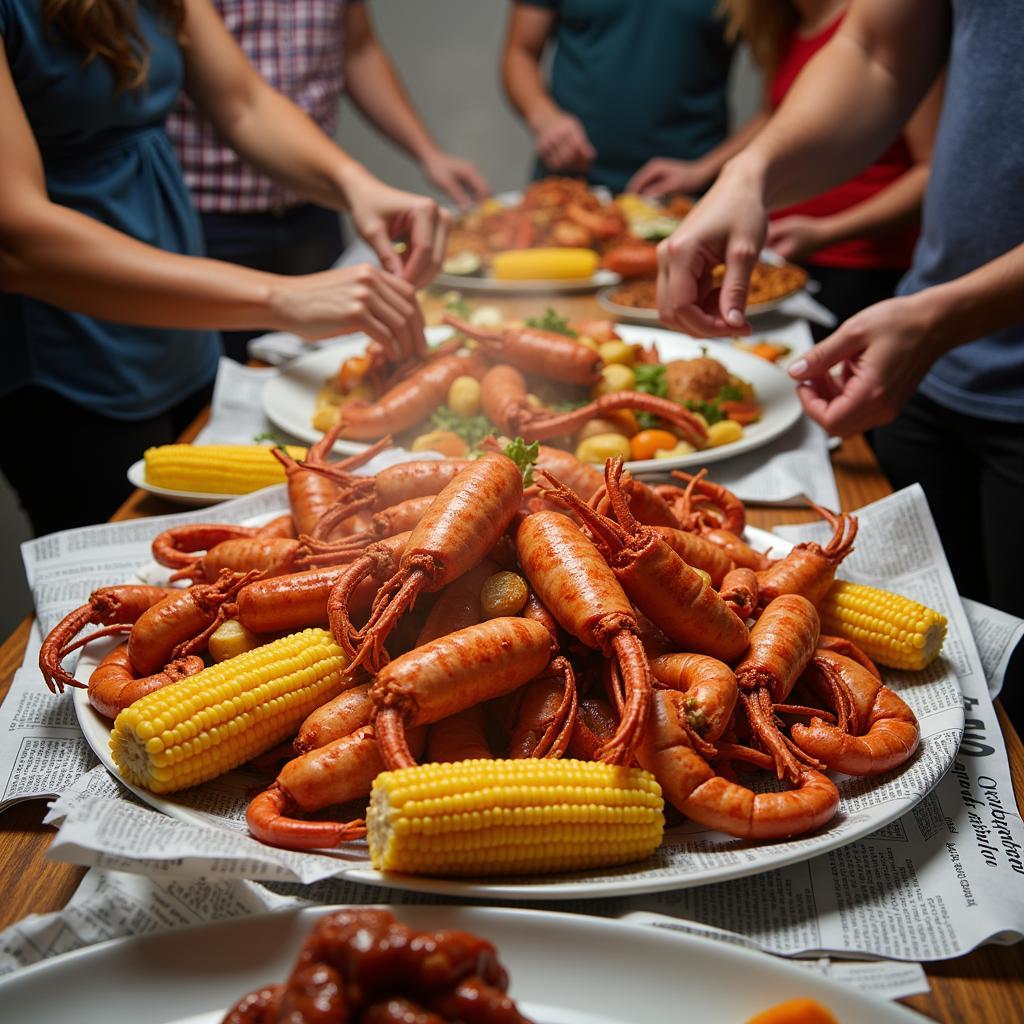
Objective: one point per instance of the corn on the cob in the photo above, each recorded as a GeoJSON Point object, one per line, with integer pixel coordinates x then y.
{"type": "Point", "coordinates": [196, 729]}
{"type": "Point", "coordinates": [891, 629]}
{"type": "Point", "coordinates": [485, 817]}
{"type": "Point", "coordinates": [543, 264]}
{"type": "Point", "coordinates": [215, 468]}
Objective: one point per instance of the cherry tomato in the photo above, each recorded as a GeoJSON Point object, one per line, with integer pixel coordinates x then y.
{"type": "Point", "coordinates": [647, 442]}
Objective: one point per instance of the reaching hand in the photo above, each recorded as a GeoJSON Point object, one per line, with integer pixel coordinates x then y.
{"type": "Point", "coordinates": [662, 176]}
{"type": "Point", "coordinates": [459, 178]}
{"type": "Point", "coordinates": [360, 298]}
{"type": "Point", "coordinates": [382, 213]}
{"type": "Point", "coordinates": [563, 144]}
{"type": "Point", "coordinates": [796, 236]}
{"type": "Point", "coordinates": [728, 225]}
{"type": "Point", "coordinates": [880, 356]}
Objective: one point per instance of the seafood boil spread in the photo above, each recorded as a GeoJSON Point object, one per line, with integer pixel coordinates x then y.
{"type": "Point", "coordinates": [577, 386]}
{"type": "Point", "coordinates": [518, 660]}
{"type": "Point", "coordinates": [560, 229]}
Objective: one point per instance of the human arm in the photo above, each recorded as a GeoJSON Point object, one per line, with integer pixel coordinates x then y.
{"type": "Point", "coordinates": [375, 88]}
{"type": "Point", "coordinates": [277, 138]}
{"type": "Point", "coordinates": [893, 208]}
{"type": "Point", "coordinates": [885, 350]}
{"type": "Point", "coordinates": [850, 100]}
{"type": "Point", "coordinates": [58, 255]}
{"type": "Point", "coordinates": [662, 176]}
{"type": "Point", "coordinates": [559, 137]}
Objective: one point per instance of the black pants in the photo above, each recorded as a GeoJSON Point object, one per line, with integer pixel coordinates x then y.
{"type": "Point", "coordinates": [68, 464]}
{"type": "Point", "coordinates": [302, 240]}
{"type": "Point", "coordinates": [846, 292]}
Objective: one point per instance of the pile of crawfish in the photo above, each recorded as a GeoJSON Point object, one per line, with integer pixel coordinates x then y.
{"type": "Point", "coordinates": [632, 625]}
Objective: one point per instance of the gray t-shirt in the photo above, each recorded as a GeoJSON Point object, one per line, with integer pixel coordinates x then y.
{"type": "Point", "coordinates": [974, 209]}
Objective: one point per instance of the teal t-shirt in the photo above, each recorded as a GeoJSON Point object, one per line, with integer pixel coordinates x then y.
{"type": "Point", "coordinates": [105, 154]}
{"type": "Point", "coordinates": [646, 78]}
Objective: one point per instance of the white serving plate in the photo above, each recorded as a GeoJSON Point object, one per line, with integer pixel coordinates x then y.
{"type": "Point", "coordinates": [689, 855]}
{"type": "Point", "coordinates": [289, 399]}
{"type": "Point", "coordinates": [193, 499]}
{"type": "Point", "coordinates": [563, 969]}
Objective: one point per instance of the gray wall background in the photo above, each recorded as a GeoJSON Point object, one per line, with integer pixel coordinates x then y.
{"type": "Point", "coordinates": [446, 53]}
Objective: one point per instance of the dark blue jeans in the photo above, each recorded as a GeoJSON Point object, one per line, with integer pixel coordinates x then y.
{"type": "Point", "coordinates": [301, 240]}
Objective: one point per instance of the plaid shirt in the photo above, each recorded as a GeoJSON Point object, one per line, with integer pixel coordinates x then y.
{"type": "Point", "coordinates": [296, 45]}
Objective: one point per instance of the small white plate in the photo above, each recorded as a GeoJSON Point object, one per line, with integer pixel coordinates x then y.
{"type": "Point", "coordinates": [563, 969]}
{"type": "Point", "coordinates": [193, 499]}
{"type": "Point", "coordinates": [289, 399]}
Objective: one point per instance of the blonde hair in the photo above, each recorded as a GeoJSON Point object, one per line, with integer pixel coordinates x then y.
{"type": "Point", "coordinates": [761, 24]}
{"type": "Point", "coordinates": [109, 29]}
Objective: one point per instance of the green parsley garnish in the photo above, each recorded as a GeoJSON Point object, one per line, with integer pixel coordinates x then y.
{"type": "Point", "coordinates": [524, 456]}
{"type": "Point", "coordinates": [551, 321]}
{"type": "Point", "coordinates": [650, 379]}
{"type": "Point", "coordinates": [472, 429]}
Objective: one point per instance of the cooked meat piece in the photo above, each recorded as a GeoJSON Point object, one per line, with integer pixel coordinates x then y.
{"type": "Point", "coordinates": [697, 380]}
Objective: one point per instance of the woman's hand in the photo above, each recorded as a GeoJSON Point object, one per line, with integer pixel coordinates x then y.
{"type": "Point", "coordinates": [796, 236]}
{"type": "Point", "coordinates": [361, 298]}
{"type": "Point", "coordinates": [563, 144]}
{"type": "Point", "coordinates": [382, 214]}
{"type": "Point", "coordinates": [459, 178]}
{"type": "Point", "coordinates": [663, 176]}
{"type": "Point", "coordinates": [863, 374]}
{"type": "Point", "coordinates": [728, 225]}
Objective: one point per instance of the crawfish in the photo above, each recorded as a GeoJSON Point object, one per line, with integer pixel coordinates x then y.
{"type": "Point", "coordinates": [115, 608]}
{"type": "Point", "coordinates": [461, 526]}
{"type": "Point", "coordinates": [503, 396]}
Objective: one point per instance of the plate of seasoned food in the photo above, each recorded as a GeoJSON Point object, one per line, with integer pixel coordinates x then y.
{"type": "Point", "coordinates": [185, 743]}
{"type": "Point", "coordinates": [556, 236]}
{"type": "Point", "coordinates": [656, 398]}
{"type": "Point", "coordinates": [772, 282]}
{"type": "Point", "coordinates": [436, 963]}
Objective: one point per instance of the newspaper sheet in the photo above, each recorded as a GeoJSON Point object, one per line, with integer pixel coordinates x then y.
{"type": "Point", "coordinates": [931, 884]}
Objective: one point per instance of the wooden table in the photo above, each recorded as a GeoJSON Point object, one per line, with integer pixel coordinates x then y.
{"type": "Point", "coordinates": [986, 985]}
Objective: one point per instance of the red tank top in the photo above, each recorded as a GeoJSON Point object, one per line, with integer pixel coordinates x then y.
{"type": "Point", "coordinates": [891, 250]}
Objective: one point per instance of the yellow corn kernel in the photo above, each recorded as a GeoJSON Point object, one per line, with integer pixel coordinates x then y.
{"type": "Point", "coordinates": [543, 264]}
{"type": "Point", "coordinates": [203, 726]}
{"type": "Point", "coordinates": [215, 468]}
{"type": "Point", "coordinates": [724, 432]}
{"type": "Point", "coordinates": [890, 629]}
{"type": "Point", "coordinates": [512, 817]}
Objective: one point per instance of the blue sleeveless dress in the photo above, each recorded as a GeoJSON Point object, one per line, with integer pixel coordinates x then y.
{"type": "Point", "coordinates": [105, 154]}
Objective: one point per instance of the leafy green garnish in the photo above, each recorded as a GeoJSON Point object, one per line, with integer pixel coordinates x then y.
{"type": "Point", "coordinates": [551, 321]}
{"type": "Point", "coordinates": [459, 306]}
{"type": "Point", "coordinates": [472, 429]}
{"type": "Point", "coordinates": [567, 404]}
{"type": "Point", "coordinates": [709, 410]}
{"type": "Point", "coordinates": [651, 379]}
{"type": "Point", "coordinates": [647, 420]}
{"type": "Point", "coordinates": [524, 456]}
{"type": "Point", "coordinates": [269, 435]}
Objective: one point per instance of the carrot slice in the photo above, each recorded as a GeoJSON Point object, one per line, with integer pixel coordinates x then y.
{"type": "Point", "coordinates": [795, 1011]}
